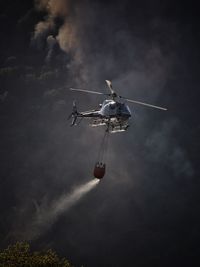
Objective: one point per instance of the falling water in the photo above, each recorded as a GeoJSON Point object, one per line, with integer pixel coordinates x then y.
{"type": "Point", "coordinates": [46, 217]}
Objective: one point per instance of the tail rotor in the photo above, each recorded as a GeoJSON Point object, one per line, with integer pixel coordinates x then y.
{"type": "Point", "coordinates": [74, 114]}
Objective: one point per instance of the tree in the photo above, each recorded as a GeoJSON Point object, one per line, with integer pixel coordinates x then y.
{"type": "Point", "coordinates": [19, 255]}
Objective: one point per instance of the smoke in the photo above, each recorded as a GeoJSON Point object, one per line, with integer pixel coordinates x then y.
{"type": "Point", "coordinates": [67, 37]}
{"type": "Point", "coordinates": [46, 215]}
{"type": "Point", "coordinates": [62, 32]}
{"type": "Point", "coordinates": [3, 96]}
{"type": "Point", "coordinates": [51, 42]}
{"type": "Point", "coordinates": [53, 7]}
{"type": "Point", "coordinates": [164, 148]}
{"type": "Point", "coordinates": [42, 30]}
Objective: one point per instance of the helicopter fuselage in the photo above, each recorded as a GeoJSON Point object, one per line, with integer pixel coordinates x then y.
{"type": "Point", "coordinates": [111, 108]}
{"type": "Point", "coordinates": [115, 115]}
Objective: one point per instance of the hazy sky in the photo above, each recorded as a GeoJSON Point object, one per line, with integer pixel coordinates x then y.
{"type": "Point", "coordinates": [145, 212]}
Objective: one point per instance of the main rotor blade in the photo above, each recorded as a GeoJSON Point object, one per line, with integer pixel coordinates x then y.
{"type": "Point", "coordinates": [144, 104]}
{"type": "Point", "coordinates": [110, 87]}
{"type": "Point", "coordinates": [86, 91]}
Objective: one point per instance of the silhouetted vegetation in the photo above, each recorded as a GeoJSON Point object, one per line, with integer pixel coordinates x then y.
{"type": "Point", "coordinates": [20, 255]}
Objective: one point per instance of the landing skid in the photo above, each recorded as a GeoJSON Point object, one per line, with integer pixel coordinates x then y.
{"type": "Point", "coordinates": [117, 128]}
{"type": "Point", "coordinates": [112, 125]}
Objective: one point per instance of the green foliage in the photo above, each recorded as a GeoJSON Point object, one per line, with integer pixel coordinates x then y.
{"type": "Point", "coordinates": [19, 255]}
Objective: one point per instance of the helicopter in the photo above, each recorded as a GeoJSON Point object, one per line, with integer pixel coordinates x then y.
{"type": "Point", "coordinates": [114, 113]}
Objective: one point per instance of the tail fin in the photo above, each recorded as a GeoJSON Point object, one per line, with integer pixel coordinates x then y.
{"type": "Point", "coordinates": [74, 114]}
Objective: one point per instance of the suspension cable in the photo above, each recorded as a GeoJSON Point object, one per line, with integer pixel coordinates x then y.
{"type": "Point", "coordinates": [103, 147]}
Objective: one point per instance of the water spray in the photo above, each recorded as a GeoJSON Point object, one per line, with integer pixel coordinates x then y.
{"type": "Point", "coordinates": [46, 217]}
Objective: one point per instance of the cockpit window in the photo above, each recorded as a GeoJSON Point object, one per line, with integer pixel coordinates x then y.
{"type": "Point", "coordinates": [112, 106]}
